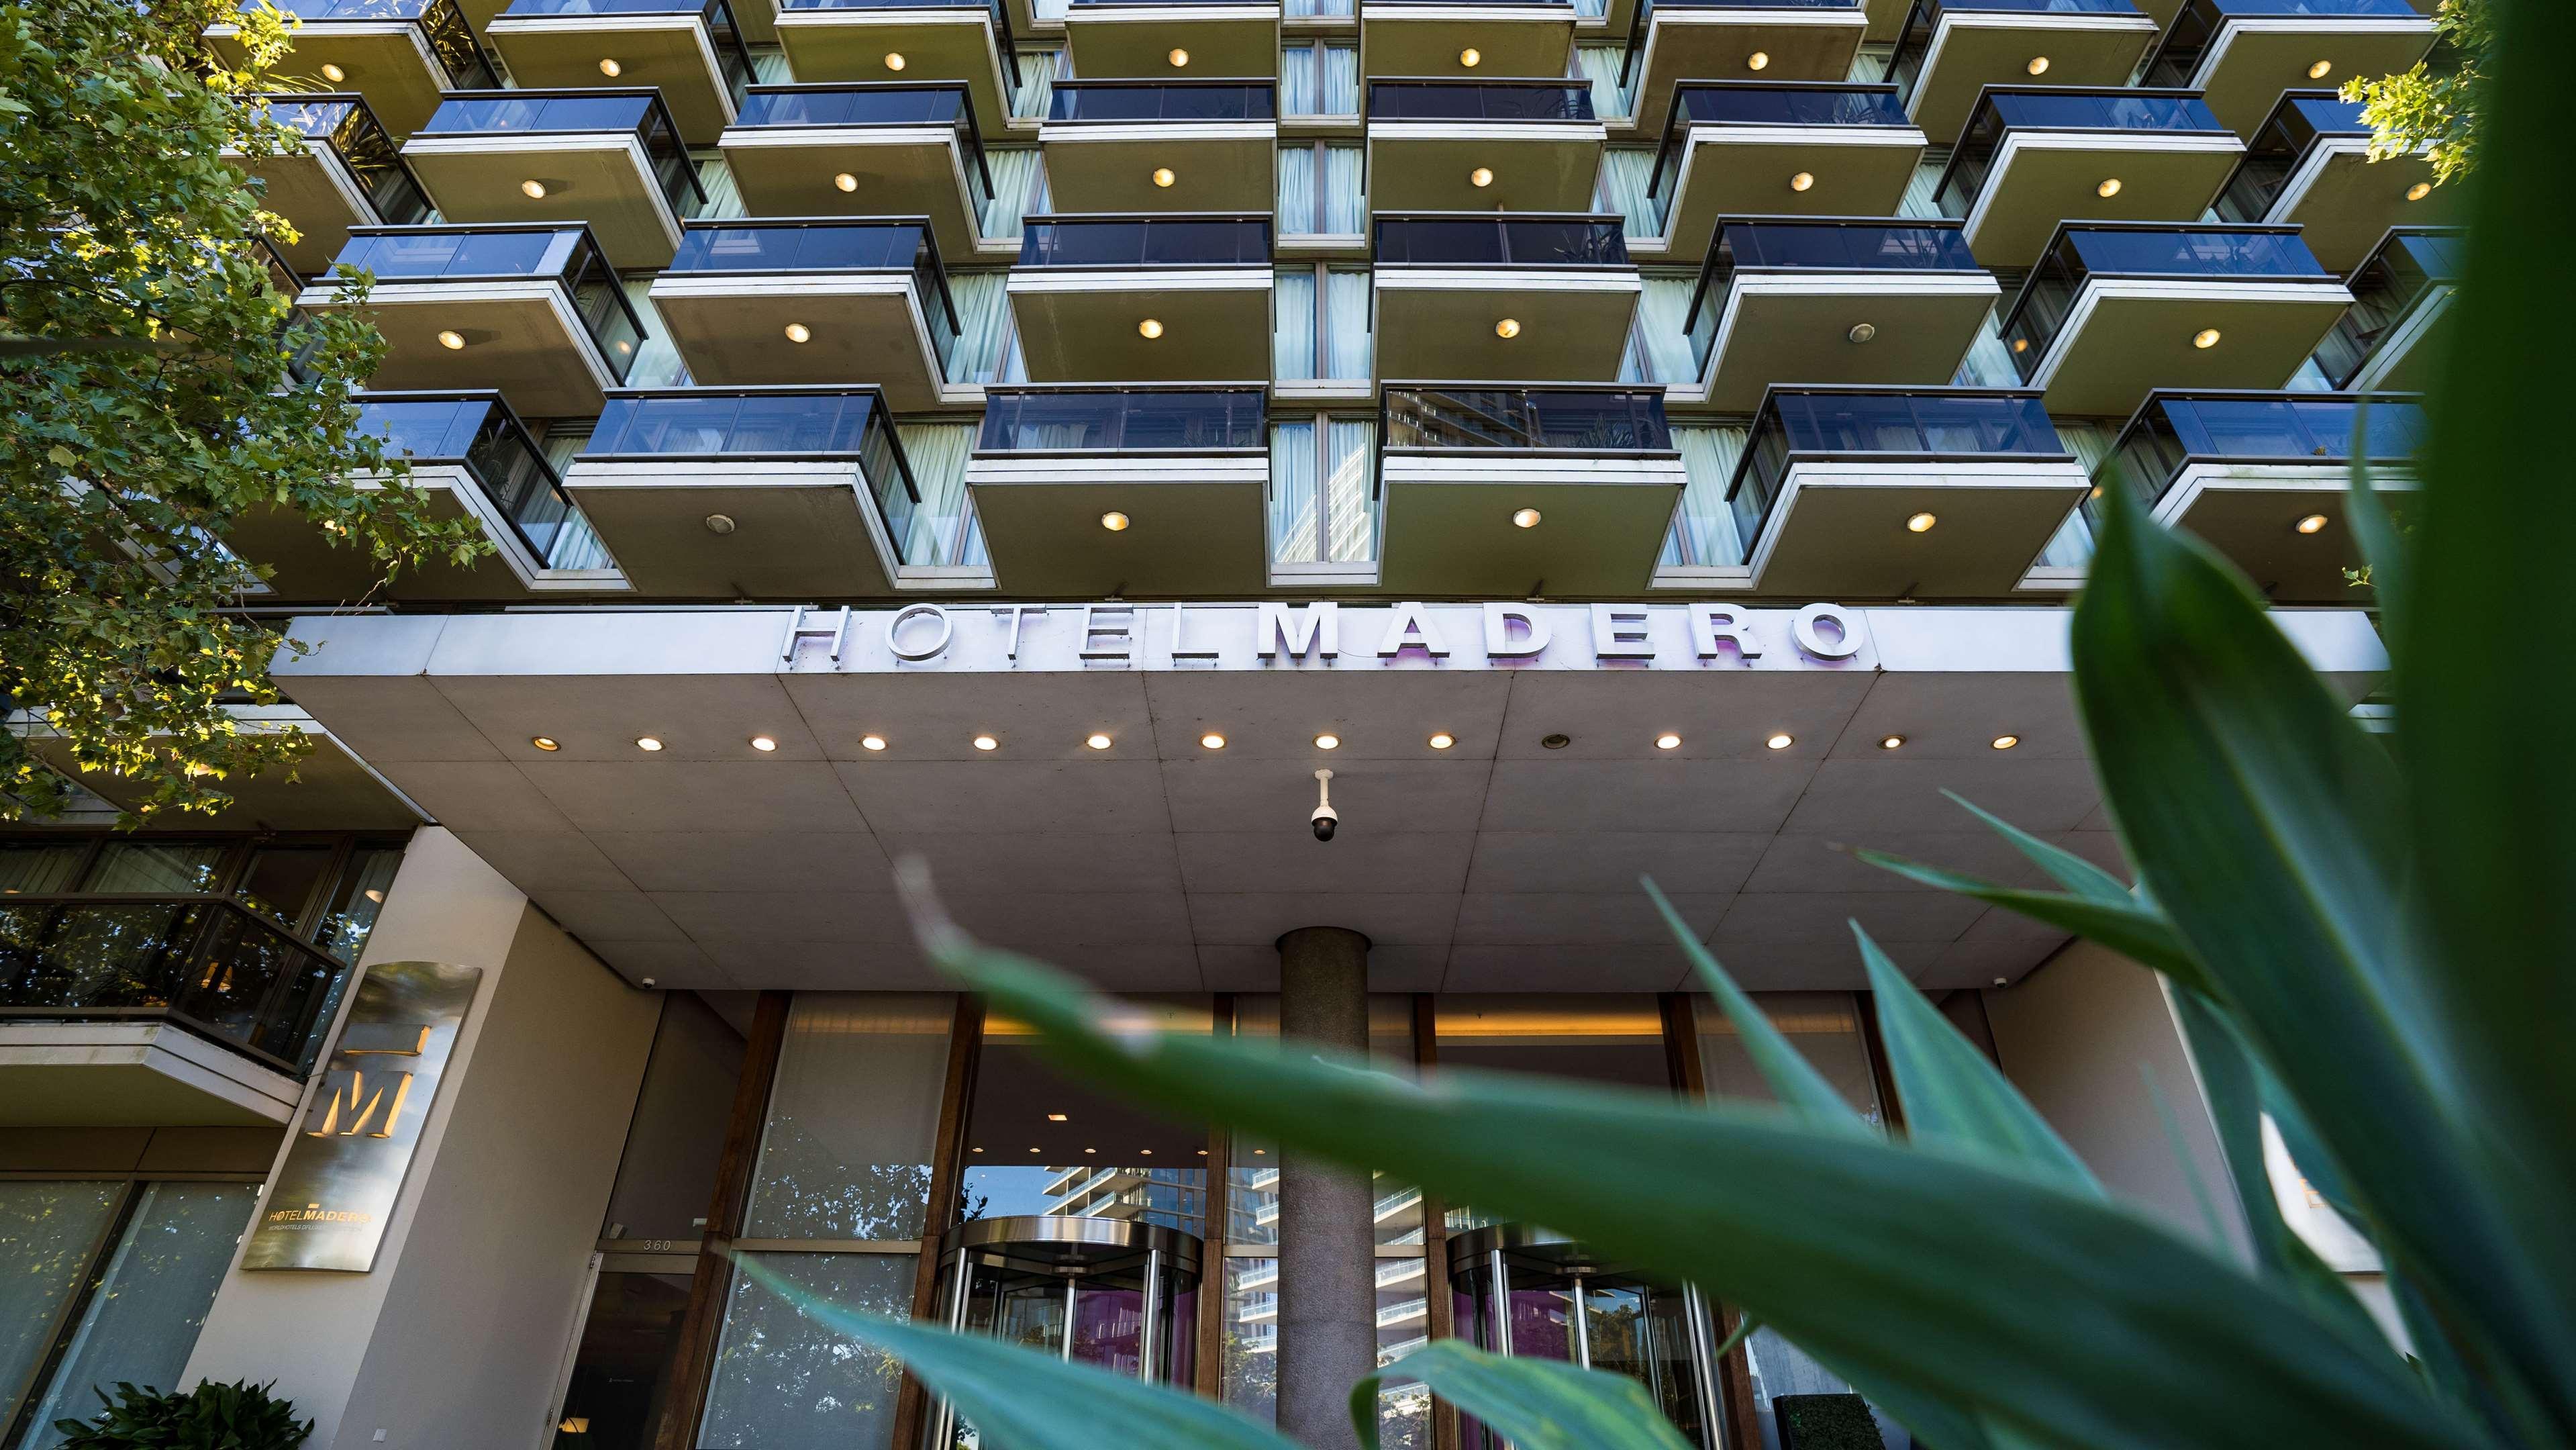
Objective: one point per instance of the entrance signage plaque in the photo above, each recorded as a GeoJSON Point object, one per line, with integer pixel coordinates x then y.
{"type": "Point", "coordinates": [327, 1207]}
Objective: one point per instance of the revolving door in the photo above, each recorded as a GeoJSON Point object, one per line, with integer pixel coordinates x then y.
{"type": "Point", "coordinates": [1539, 1295]}
{"type": "Point", "coordinates": [1100, 1291]}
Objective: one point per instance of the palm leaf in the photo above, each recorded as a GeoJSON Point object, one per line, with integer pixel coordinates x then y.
{"type": "Point", "coordinates": [1535, 1404]}
{"type": "Point", "coordinates": [2127, 926]}
{"type": "Point", "coordinates": [1792, 1079]}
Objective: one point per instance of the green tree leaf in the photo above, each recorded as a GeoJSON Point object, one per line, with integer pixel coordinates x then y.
{"type": "Point", "coordinates": [1792, 1079]}
{"type": "Point", "coordinates": [1535, 1404]}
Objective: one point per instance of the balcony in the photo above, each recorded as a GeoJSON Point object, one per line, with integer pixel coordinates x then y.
{"type": "Point", "coordinates": [2400, 296]}
{"type": "Point", "coordinates": [1842, 301]}
{"type": "Point", "coordinates": [534, 311]}
{"type": "Point", "coordinates": [922, 41]}
{"type": "Point", "coordinates": [1517, 491]}
{"type": "Point", "coordinates": [2242, 54]}
{"type": "Point", "coordinates": [1477, 297]}
{"type": "Point", "coordinates": [1671, 42]}
{"type": "Point", "coordinates": [749, 493]}
{"type": "Point", "coordinates": [1403, 39]}
{"type": "Point", "coordinates": [1762, 148]}
{"type": "Point", "coordinates": [349, 174]}
{"type": "Point", "coordinates": [1167, 39]}
{"type": "Point", "coordinates": [2032, 157]}
{"type": "Point", "coordinates": [612, 158]}
{"type": "Point", "coordinates": [2309, 166]}
{"type": "Point", "coordinates": [690, 49]}
{"type": "Point", "coordinates": [1953, 49]}
{"type": "Point", "coordinates": [1144, 299]}
{"type": "Point", "coordinates": [402, 55]}
{"type": "Point", "coordinates": [469, 452]}
{"type": "Point", "coordinates": [1472, 145]}
{"type": "Point", "coordinates": [1928, 493]}
{"type": "Point", "coordinates": [1117, 492]}
{"type": "Point", "coordinates": [2113, 310]}
{"type": "Point", "coordinates": [1162, 146]}
{"type": "Point", "coordinates": [858, 150]}
{"type": "Point", "coordinates": [809, 302]}
{"type": "Point", "coordinates": [2263, 477]}
{"type": "Point", "coordinates": [156, 1011]}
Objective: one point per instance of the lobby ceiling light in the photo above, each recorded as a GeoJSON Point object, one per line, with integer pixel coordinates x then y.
{"type": "Point", "coordinates": [1055, 1117]}
{"type": "Point", "coordinates": [1668, 741]}
{"type": "Point", "coordinates": [1508, 327]}
{"type": "Point", "coordinates": [1442, 740]}
{"type": "Point", "coordinates": [533, 189]}
{"type": "Point", "coordinates": [1150, 328]}
{"type": "Point", "coordinates": [1758, 60]}
{"type": "Point", "coordinates": [648, 744]}
{"type": "Point", "coordinates": [545, 743]}
{"type": "Point", "coordinates": [872, 742]}
{"type": "Point", "coordinates": [1554, 742]}
{"type": "Point", "coordinates": [1212, 741]}
{"type": "Point", "coordinates": [2312, 524]}
{"type": "Point", "coordinates": [2320, 70]}
{"type": "Point", "coordinates": [1115, 522]}
{"type": "Point", "coordinates": [1482, 176]}
{"type": "Point", "coordinates": [2205, 339]}
{"type": "Point", "coordinates": [764, 743]}
{"type": "Point", "coordinates": [2038, 65]}
{"type": "Point", "coordinates": [609, 67]}
{"type": "Point", "coordinates": [450, 339]}
{"type": "Point", "coordinates": [1178, 57]}
{"type": "Point", "coordinates": [2004, 742]}
{"type": "Point", "coordinates": [987, 742]}
{"type": "Point", "coordinates": [1781, 741]}
{"type": "Point", "coordinates": [1863, 331]}
{"type": "Point", "coordinates": [1097, 742]}
{"type": "Point", "coordinates": [799, 332]}
{"type": "Point", "coordinates": [333, 73]}
{"type": "Point", "coordinates": [845, 181]}
{"type": "Point", "coordinates": [974, 1150]}
{"type": "Point", "coordinates": [2419, 191]}
{"type": "Point", "coordinates": [1033, 1150]}
{"type": "Point", "coordinates": [1146, 1152]}
{"type": "Point", "coordinates": [1328, 741]}
{"type": "Point", "coordinates": [1090, 1150]}
{"type": "Point", "coordinates": [1891, 742]}
{"type": "Point", "coordinates": [1165, 176]}
{"type": "Point", "coordinates": [895, 60]}
{"type": "Point", "coordinates": [1471, 57]}
{"type": "Point", "coordinates": [1920, 523]}
{"type": "Point", "coordinates": [1525, 518]}
{"type": "Point", "coordinates": [2109, 188]}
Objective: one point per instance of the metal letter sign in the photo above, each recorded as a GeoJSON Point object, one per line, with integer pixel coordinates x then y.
{"type": "Point", "coordinates": [345, 1164]}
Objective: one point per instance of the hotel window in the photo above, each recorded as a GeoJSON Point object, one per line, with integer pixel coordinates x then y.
{"type": "Point", "coordinates": [325, 889]}
{"type": "Point", "coordinates": [1625, 172]}
{"type": "Point", "coordinates": [1321, 511]}
{"type": "Point", "coordinates": [1323, 324]}
{"type": "Point", "coordinates": [1703, 534]}
{"type": "Point", "coordinates": [1320, 191]}
{"type": "Point", "coordinates": [944, 532]}
{"type": "Point", "coordinates": [1659, 351]}
{"type": "Point", "coordinates": [1319, 78]}
{"type": "Point", "coordinates": [1039, 70]}
{"type": "Point", "coordinates": [1599, 65]}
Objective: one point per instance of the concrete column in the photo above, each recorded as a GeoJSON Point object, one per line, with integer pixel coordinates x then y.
{"type": "Point", "coordinates": [1327, 1230]}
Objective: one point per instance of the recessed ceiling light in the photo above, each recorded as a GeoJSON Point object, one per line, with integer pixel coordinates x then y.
{"type": "Point", "coordinates": [1147, 1152]}
{"type": "Point", "coordinates": [1471, 57]}
{"type": "Point", "coordinates": [1802, 181]}
{"type": "Point", "coordinates": [2419, 191]}
{"type": "Point", "coordinates": [2021, 344]}
{"type": "Point", "coordinates": [1165, 176]}
{"type": "Point", "coordinates": [1668, 741]}
{"type": "Point", "coordinates": [450, 339]}
{"type": "Point", "coordinates": [1862, 331]}
{"type": "Point", "coordinates": [987, 742]}
{"type": "Point", "coordinates": [2004, 742]}
{"type": "Point", "coordinates": [764, 743]}
{"type": "Point", "coordinates": [533, 189]}
{"type": "Point", "coordinates": [376, 894]}
{"type": "Point", "coordinates": [719, 524]}
{"type": "Point", "coordinates": [1920, 523]}
{"type": "Point", "coordinates": [1202, 1152]}
{"type": "Point", "coordinates": [1481, 176]}
{"type": "Point", "coordinates": [2313, 523]}
{"type": "Point", "coordinates": [2109, 188]}
{"type": "Point", "coordinates": [2038, 65]}
{"type": "Point", "coordinates": [2205, 339]}
{"type": "Point", "coordinates": [1097, 742]}
{"type": "Point", "coordinates": [1033, 1150]}
{"type": "Point", "coordinates": [1758, 60]}
{"type": "Point", "coordinates": [1555, 742]}
{"type": "Point", "coordinates": [974, 1150]}
{"type": "Point", "coordinates": [799, 332]}
{"type": "Point", "coordinates": [894, 60]}
{"type": "Point", "coordinates": [872, 742]}
{"type": "Point", "coordinates": [1890, 742]}
{"type": "Point", "coordinates": [1999, 981]}
{"type": "Point", "coordinates": [1260, 1152]}
{"type": "Point", "coordinates": [1151, 327]}
{"type": "Point", "coordinates": [648, 744]}
{"type": "Point", "coordinates": [1508, 327]}
{"type": "Point", "coordinates": [545, 742]}
{"type": "Point", "coordinates": [1780, 742]}
{"type": "Point", "coordinates": [845, 181]}
{"type": "Point", "coordinates": [333, 73]}
{"type": "Point", "coordinates": [1055, 1117]}
{"type": "Point", "coordinates": [2320, 70]}
{"type": "Point", "coordinates": [1442, 740]}
{"type": "Point", "coordinates": [1212, 741]}
{"type": "Point", "coordinates": [1328, 741]}
{"type": "Point", "coordinates": [1114, 521]}
{"type": "Point", "coordinates": [609, 67]}
{"type": "Point", "coordinates": [1525, 518]}
{"type": "Point", "coordinates": [1178, 56]}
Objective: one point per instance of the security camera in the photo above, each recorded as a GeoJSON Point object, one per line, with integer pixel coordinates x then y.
{"type": "Point", "coordinates": [1325, 818]}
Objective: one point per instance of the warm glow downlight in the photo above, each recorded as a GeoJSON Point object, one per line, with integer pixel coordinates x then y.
{"type": "Point", "coordinates": [2205, 339]}
{"type": "Point", "coordinates": [2109, 188]}
{"type": "Point", "coordinates": [1165, 176]}
{"type": "Point", "coordinates": [799, 332]}
{"type": "Point", "coordinates": [1802, 181]}
{"type": "Point", "coordinates": [894, 60]}
{"type": "Point", "coordinates": [609, 67]}
{"type": "Point", "coordinates": [2038, 65]}
{"type": "Point", "coordinates": [450, 339]}
{"type": "Point", "coordinates": [533, 189]}
{"type": "Point", "coordinates": [1114, 521]}
{"type": "Point", "coordinates": [1525, 518]}
{"type": "Point", "coordinates": [1150, 328]}
{"type": "Point", "coordinates": [2419, 191]}
{"type": "Point", "coordinates": [1920, 523]}
{"type": "Point", "coordinates": [2320, 70]}
{"type": "Point", "coordinates": [333, 73]}
{"type": "Point", "coordinates": [2313, 523]}
{"type": "Point", "coordinates": [1178, 57]}
{"type": "Point", "coordinates": [1471, 57]}
{"type": "Point", "coordinates": [1508, 327]}
{"type": "Point", "coordinates": [1758, 60]}
{"type": "Point", "coordinates": [1482, 176]}
{"type": "Point", "coordinates": [845, 181]}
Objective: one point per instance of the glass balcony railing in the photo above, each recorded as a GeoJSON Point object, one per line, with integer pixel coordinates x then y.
{"type": "Point", "coordinates": [859, 244]}
{"type": "Point", "coordinates": [2275, 149]}
{"type": "Point", "coordinates": [2173, 430]}
{"type": "Point", "coordinates": [443, 28]}
{"type": "Point", "coordinates": [1772, 103]}
{"type": "Point", "coordinates": [1465, 100]}
{"type": "Point", "coordinates": [2152, 250]}
{"type": "Point", "coordinates": [1006, 46]}
{"type": "Point", "coordinates": [2002, 110]}
{"type": "Point", "coordinates": [565, 255]}
{"type": "Point", "coordinates": [1075, 419]}
{"type": "Point", "coordinates": [750, 424]}
{"type": "Point", "coordinates": [878, 104]}
{"type": "Point", "coordinates": [1923, 22]}
{"type": "Point", "coordinates": [639, 113]}
{"type": "Point", "coordinates": [1642, 23]}
{"type": "Point", "coordinates": [1885, 424]}
{"type": "Point", "coordinates": [1523, 420]}
{"type": "Point", "coordinates": [2197, 24]}
{"type": "Point", "coordinates": [1822, 245]}
{"type": "Point", "coordinates": [1134, 101]}
{"type": "Point", "coordinates": [2406, 267]}
{"type": "Point", "coordinates": [733, 57]}
{"type": "Point", "coordinates": [211, 966]}
{"type": "Point", "coordinates": [1499, 239]}
{"type": "Point", "coordinates": [1145, 241]}
{"type": "Point", "coordinates": [478, 431]}
{"type": "Point", "coordinates": [343, 122]}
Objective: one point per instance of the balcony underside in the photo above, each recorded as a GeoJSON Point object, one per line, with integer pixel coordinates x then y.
{"type": "Point", "coordinates": [2125, 337]}
{"type": "Point", "coordinates": [309, 568]}
{"type": "Point", "coordinates": [606, 181]}
{"type": "Point", "coordinates": [1437, 322]}
{"type": "Point", "coordinates": [732, 331]}
{"type": "Point", "coordinates": [1081, 327]}
{"type": "Point", "coordinates": [1777, 327]}
{"type": "Point", "coordinates": [1399, 41]}
{"type": "Point", "coordinates": [520, 337]}
{"type": "Point", "coordinates": [1886, 19]}
{"type": "Point", "coordinates": [1119, 42]}
{"type": "Point", "coordinates": [1972, 50]}
{"type": "Point", "coordinates": [942, 44]}
{"type": "Point", "coordinates": [2408, 357]}
{"type": "Point", "coordinates": [672, 52]}
{"type": "Point", "coordinates": [1448, 530]}
{"type": "Point", "coordinates": [136, 1072]}
{"type": "Point", "coordinates": [2250, 512]}
{"type": "Point", "coordinates": [1217, 166]}
{"type": "Point", "coordinates": [332, 790]}
{"type": "Point", "coordinates": [1536, 165]}
{"type": "Point", "coordinates": [385, 60]}
{"type": "Point", "coordinates": [1718, 45]}
{"type": "Point", "coordinates": [900, 171]}
{"type": "Point", "coordinates": [2344, 202]}
{"type": "Point", "coordinates": [2043, 177]}
{"type": "Point", "coordinates": [1745, 171]}
{"type": "Point", "coordinates": [1838, 530]}
{"type": "Point", "coordinates": [1195, 525]}
{"type": "Point", "coordinates": [800, 530]}
{"type": "Point", "coordinates": [313, 189]}
{"type": "Point", "coordinates": [2254, 59]}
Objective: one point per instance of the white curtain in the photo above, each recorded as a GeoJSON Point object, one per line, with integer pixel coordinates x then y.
{"type": "Point", "coordinates": [657, 361]}
{"type": "Point", "coordinates": [1704, 531]}
{"type": "Point", "coordinates": [1346, 323]}
{"type": "Point", "coordinates": [1989, 363]}
{"type": "Point", "coordinates": [1296, 205]}
{"type": "Point", "coordinates": [576, 544]}
{"type": "Point", "coordinates": [1019, 187]}
{"type": "Point", "coordinates": [1666, 348]}
{"type": "Point", "coordinates": [1341, 79]}
{"type": "Point", "coordinates": [1295, 511]}
{"type": "Point", "coordinates": [1297, 94]}
{"type": "Point", "coordinates": [1350, 449]}
{"type": "Point", "coordinates": [1921, 189]}
{"type": "Point", "coordinates": [769, 67]}
{"type": "Point", "coordinates": [1599, 64]}
{"type": "Point", "coordinates": [937, 453]}
{"type": "Point", "coordinates": [1625, 170]}
{"type": "Point", "coordinates": [1038, 70]}
{"type": "Point", "coordinates": [1345, 208]}
{"type": "Point", "coordinates": [724, 194]}
{"type": "Point", "coordinates": [1292, 338]}
{"type": "Point", "coordinates": [983, 325]}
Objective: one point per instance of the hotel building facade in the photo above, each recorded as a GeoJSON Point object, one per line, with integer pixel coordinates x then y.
{"type": "Point", "coordinates": [1613, 438]}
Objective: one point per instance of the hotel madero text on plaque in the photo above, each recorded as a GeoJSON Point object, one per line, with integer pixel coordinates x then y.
{"type": "Point", "coordinates": [345, 1165]}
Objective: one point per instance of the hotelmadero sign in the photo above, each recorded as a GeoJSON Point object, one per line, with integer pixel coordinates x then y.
{"type": "Point", "coordinates": [1040, 638]}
